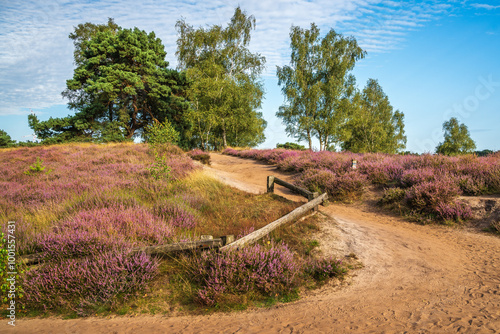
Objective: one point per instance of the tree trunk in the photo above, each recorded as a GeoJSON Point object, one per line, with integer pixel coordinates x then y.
{"type": "Point", "coordinates": [224, 142]}
{"type": "Point", "coordinates": [310, 140]}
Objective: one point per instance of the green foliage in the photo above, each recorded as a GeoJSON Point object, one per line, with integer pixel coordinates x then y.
{"type": "Point", "coordinates": [457, 139]}
{"type": "Point", "coordinates": [317, 83]}
{"type": "Point", "coordinates": [37, 167]}
{"type": "Point", "coordinates": [161, 133]}
{"type": "Point", "coordinates": [158, 135]}
{"type": "Point", "coordinates": [160, 169]}
{"type": "Point", "coordinates": [120, 85]}
{"type": "Point", "coordinates": [225, 92]}
{"type": "Point", "coordinates": [483, 153]}
{"type": "Point", "coordinates": [5, 139]}
{"type": "Point", "coordinates": [291, 146]}
{"type": "Point", "coordinates": [373, 125]}
{"type": "Point", "coordinates": [85, 32]}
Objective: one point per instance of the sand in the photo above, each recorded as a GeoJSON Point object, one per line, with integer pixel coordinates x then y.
{"type": "Point", "coordinates": [415, 279]}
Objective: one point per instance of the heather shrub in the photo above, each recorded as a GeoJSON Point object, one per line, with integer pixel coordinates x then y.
{"type": "Point", "coordinates": [393, 195]}
{"type": "Point", "coordinates": [456, 211]}
{"type": "Point", "coordinates": [230, 151]}
{"type": "Point", "coordinates": [381, 171]}
{"type": "Point", "coordinates": [267, 271]}
{"type": "Point", "coordinates": [200, 156]}
{"type": "Point", "coordinates": [412, 177]}
{"type": "Point", "coordinates": [427, 196]}
{"type": "Point", "coordinates": [77, 243]}
{"type": "Point", "coordinates": [472, 186]}
{"type": "Point", "coordinates": [83, 284]}
{"type": "Point", "coordinates": [316, 180]}
{"type": "Point", "coordinates": [323, 269]}
{"type": "Point", "coordinates": [176, 214]}
{"type": "Point", "coordinates": [102, 229]}
{"type": "Point", "coordinates": [345, 187]}
{"type": "Point", "coordinates": [180, 166]}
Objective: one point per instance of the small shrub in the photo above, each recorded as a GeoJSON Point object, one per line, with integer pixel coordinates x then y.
{"type": "Point", "coordinates": [266, 271]}
{"type": "Point", "coordinates": [472, 186]}
{"type": "Point", "coordinates": [37, 167]}
{"type": "Point", "coordinates": [427, 196]}
{"type": "Point", "coordinates": [176, 214]}
{"type": "Point", "coordinates": [160, 168]}
{"type": "Point", "coordinates": [456, 211]}
{"type": "Point", "coordinates": [103, 229]}
{"type": "Point", "coordinates": [82, 285]}
{"type": "Point", "coordinates": [322, 269]}
{"type": "Point", "coordinates": [161, 133]}
{"type": "Point", "coordinates": [393, 195]}
{"type": "Point", "coordinates": [412, 177]}
{"type": "Point", "coordinates": [345, 187]}
{"type": "Point", "coordinates": [200, 156]}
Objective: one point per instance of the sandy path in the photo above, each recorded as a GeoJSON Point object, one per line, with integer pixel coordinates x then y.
{"type": "Point", "coordinates": [416, 279]}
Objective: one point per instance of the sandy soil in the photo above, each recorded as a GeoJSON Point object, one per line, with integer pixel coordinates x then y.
{"type": "Point", "coordinates": [416, 279]}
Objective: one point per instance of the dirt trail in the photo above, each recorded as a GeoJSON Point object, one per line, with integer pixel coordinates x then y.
{"type": "Point", "coordinates": [416, 279]}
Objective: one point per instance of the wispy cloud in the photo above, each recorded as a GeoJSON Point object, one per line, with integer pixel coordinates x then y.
{"type": "Point", "coordinates": [485, 6]}
{"type": "Point", "coordinates": [36, 55]}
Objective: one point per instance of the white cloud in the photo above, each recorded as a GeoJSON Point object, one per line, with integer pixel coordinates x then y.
{"type": "Point", "coordinates": [485, 6]}
{"type": "Point", "coordinates": [36, 53]}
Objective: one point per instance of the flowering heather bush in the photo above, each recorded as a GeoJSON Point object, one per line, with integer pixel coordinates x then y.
{"type": "Point", "coordinates": [393, 195]}
{"type": "Point", "coordinates": [322, 269]}
{"type": "Point", "coordinates": [472, 186]}
{"type": "Point", "coordinates": [78, 170]}
{"type": "Point", "coordinates": [101, 229]}
{"type": "Point", "coordinates": [412, 177]}
{"type": "Point", "coordinates": [381, 171]}
{"type": "Point", "coordinates": [180, 166]}
{"type": "Point", "coordinates": [428, 196]}
{"type": "Point", "coordinates": [176, 214]}
{"type": "Point", "coordinates": [268, 271]}
{"type": "Point", "coordinates": [87, 283]}
{"type": "Point", "coordinates": [456, 211]}
{"type": "Point", "coordinates": [199, 155]}
{"type": "Point", "coordinates": [429, 181]}
{"type": "Point", "coordinates": [348, 186]}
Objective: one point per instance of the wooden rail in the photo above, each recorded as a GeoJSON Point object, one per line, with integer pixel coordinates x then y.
{"type": "Point", "coordinates": [260, 233]}
{"type": "Point", "coordinates": [271, 180]}
{"type": "Point", "coordinates": [205, 243]}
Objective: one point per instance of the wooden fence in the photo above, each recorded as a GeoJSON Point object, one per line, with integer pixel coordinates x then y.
{"type": "Point", "coordinates": [227, 242]}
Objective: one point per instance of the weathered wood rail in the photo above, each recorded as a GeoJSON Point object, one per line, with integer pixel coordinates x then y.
{"type": "Point", "coordinates": [271, 180]}
{"type": "Point", "coordinates": [206, 242]}
{"type": "Point", "coordinates": [260, 233]}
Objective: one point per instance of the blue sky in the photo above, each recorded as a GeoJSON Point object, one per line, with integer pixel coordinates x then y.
{"type": "Point", "coordinates": [434, 59]}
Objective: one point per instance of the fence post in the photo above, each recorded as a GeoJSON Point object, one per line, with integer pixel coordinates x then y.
{"type": "Point", "coordinates": [270, 184]}
{"type": "Point", "coordinates": [311, 197]}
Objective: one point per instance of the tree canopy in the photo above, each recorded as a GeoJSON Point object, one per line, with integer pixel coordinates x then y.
{"type": "Point", "coordinates": [457, 139]}
{"type": "Point", "coordinates": [5, 139]}
{"type": "Point", "coordinates": [316, 84]}
{"type": "Point", "coordinates": [372, 124]}
{"type": "Point", "coordinates": [225, 92]}
{"type": "Point", "coordinates": [121, 84]}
